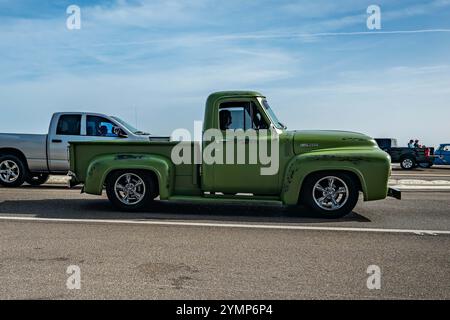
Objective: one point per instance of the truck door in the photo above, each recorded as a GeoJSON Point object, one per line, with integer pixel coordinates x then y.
{"type": "Point", "coordinates": [444, 155]}
{"type": "Point", "coordinates": [68, 127]}
{"type": "Point", "coordinates": [243, 177]}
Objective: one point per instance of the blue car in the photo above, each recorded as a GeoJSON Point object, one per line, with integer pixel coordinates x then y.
{"type": "Point", "coordinates": [442, 154]}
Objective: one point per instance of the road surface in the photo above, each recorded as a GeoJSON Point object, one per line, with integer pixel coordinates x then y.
{"type": "Point", "coordinates": [187, 251]}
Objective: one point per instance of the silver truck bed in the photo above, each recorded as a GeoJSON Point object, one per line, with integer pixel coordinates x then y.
{"type": "Point", "coordinates": [33, 146]}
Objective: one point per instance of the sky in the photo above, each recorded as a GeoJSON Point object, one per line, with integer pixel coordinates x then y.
{"type": "Point", "coordinates": [153, 63]}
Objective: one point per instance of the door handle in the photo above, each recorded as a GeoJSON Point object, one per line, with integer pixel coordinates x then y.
{"type": "Point", "coordinates": [56, 140]}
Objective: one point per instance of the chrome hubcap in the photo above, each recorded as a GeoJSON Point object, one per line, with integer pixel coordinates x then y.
{"type": "Point", "coordinates": [330, 193]}
{"type": "Point", "coordinates": [129, 189]}
{"type": "Point", "coordinates": [407, 163]}
{"type": "Point", "coordinates": [9, 171]}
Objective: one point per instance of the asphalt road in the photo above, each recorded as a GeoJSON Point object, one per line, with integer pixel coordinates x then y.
{"type": "Point", "coordinates": [433, 173]}
{"type": "Point", "coordinates": [188, 251]}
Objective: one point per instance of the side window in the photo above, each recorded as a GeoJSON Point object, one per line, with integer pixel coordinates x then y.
{"type": "Point", "coordinates": [240, 115]}
{"type": "Point", "coordinates": [447, 148]}
{"type": "Point", "coordinates": [69, 125]}
{"type": "Point", "coordinates": [99, 127]}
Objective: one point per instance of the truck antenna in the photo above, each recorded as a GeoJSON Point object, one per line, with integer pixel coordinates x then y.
{"type": "Point", "coordinates": [135, 116]}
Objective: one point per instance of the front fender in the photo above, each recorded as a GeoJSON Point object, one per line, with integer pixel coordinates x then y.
{"type": "Point", "coordinates": [101, 166]}
{"type": "Point", "coordinates": [371, 166]}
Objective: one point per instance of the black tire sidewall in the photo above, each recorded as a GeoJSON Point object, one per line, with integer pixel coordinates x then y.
{"type": "Point", "coordinates": [43, 177]}
{"type": "Point", "coordinates": [149, 190]}
{"type": "Point", "coordinates": [348, 207]}
{"type": "Point", "coordinates": [22, 174]}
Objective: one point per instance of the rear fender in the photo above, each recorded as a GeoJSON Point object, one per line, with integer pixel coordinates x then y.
{"type": "Point", "coordinates": [103, 165]}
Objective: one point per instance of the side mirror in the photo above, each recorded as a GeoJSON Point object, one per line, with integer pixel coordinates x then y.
{"type": "Point", "coordinates": [119, 132]}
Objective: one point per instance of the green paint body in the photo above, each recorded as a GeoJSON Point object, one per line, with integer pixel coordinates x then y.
{"type": "Point", "coordinates": [301, 153]}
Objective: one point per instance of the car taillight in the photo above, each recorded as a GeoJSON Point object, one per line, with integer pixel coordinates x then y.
{"type": "Point", "coordinates": [427, 152]}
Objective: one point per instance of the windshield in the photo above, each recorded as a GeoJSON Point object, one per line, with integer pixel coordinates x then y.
{"type": "Point", "coordinates": [129, 126]}
{"type": "Point", "coordinates": [272, 115]}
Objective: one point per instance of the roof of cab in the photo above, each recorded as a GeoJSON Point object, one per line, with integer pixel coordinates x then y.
{"type": "Point", "coordinates": [222, 94]}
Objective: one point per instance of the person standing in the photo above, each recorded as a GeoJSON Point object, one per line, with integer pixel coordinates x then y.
{"type": "Point", "coordinates": [416, 144]}
{"type": "Point", "coordinates": [411, 144]}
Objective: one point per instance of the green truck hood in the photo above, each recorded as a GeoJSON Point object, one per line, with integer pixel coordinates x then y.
{"type": "Point", "coordinates": [306, 141]}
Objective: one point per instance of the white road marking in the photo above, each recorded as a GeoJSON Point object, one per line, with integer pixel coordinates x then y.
{"type": "Point", "coordinates": [403, 187]}
{"type": "Point", "coordinates": [420, 175]}
{"type": "Point", "coordinates": [229, 225]}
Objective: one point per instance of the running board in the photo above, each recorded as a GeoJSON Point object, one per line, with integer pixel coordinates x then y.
{"type": "Point", "coordinates": [229, 199]}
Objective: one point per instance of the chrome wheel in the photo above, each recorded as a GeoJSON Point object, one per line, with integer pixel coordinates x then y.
{"type": "Point", "coordinates": [129, 189]}
{"type": "Point", "coordinates": [9, 171]}
{"type": "Point", "coordinates": [330, 193]}
{"type": "Point", "coordinates": [408, 163]}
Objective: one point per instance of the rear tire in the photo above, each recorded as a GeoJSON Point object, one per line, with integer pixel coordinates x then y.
{"type": "Point", "coordinates": [330, 195]}
{"type": "Point", "coordinates": [36, 179]}
{"type": "Point", "coordinates": [408, 163]}
{"type": "Point", "coordinates": [130, 190]}
{"type": "Point", "coordinates": [12, 171]}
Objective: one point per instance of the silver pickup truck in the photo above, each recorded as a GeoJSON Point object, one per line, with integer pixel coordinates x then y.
{"type": "Point", "coordinates": [32, 158]}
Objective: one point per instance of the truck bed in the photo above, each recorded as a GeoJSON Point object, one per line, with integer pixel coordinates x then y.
{"type": "Point", "coordinates": [83, 153]}
{"type": "Point", "coordinates": [397, 153]}
{"type": "Point", "coordinates": [33, 146]}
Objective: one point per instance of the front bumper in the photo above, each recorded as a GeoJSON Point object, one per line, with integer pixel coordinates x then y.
{"type": "Point", "coordinates": [394, 193]}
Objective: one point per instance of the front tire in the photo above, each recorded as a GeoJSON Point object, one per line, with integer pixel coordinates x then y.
{"type": "Point", "coordinates": [130, 190]}
{"type": "Point", "coordinates": [36, 179]}
{"type": "Point", "coordinates": [12, 171]}
{"type": "Point", "coordinates": [330, 195]}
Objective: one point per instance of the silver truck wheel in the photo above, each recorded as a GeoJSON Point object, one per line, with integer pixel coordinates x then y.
{"type": "Point", "coordinates": [330, 193]}
{"type": "Point", "coordinates": [9, 171]}
{"type": "Point", "coordinates": [130, 190]}
{"type": "Point", "coordinates": [408, 163]}
{"type": "Point", "coordinates": [12, 171]}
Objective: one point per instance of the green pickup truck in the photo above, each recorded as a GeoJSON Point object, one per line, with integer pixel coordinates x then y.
{"type": "Point", "coordinates": [323, 170]}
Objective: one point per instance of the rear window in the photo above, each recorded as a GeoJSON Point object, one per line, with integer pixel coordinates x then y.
{"type": "Point", "coordinates": [69, 125]}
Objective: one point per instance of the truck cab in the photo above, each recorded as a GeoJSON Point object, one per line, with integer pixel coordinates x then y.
{"type": "Point", "coordinates": [68, 127]}
{"type": "Point", "coordinates": [442, 154]}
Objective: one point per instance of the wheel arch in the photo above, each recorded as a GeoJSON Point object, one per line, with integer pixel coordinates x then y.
{"type": "Point", "coordinates": [17, 153]}
{"type": "Point", "coordinates": [360, 165]}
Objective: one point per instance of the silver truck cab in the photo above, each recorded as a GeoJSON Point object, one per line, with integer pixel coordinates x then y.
{"type": "Point", "coordinates": [76, 126]}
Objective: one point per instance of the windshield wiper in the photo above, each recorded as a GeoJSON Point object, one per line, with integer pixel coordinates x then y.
{"type": "Point", "coordinates": [284, 127]}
